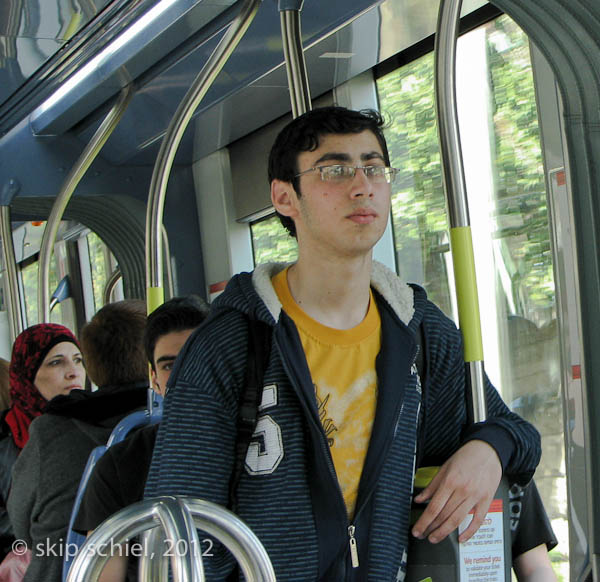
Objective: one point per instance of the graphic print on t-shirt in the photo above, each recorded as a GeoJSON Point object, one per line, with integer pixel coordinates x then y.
{"type": "Point", "coordinates": [328, 424]}
{"type": "Point", "coordinates": [342, 367]}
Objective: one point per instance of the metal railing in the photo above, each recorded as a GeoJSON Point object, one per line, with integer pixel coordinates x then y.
{"type": "Point", "coordinates": [295, 64]}
{"type": "Point", "coordinates": [64, 196]}
{"type": "Point", "coordinates": [11, 287]}
{"type": "Point", "coordinates": [171, 141]}
{"type": "Point", "coordinates": [172, 520]}
{"type": "Point", "coordinates": [456, 196]}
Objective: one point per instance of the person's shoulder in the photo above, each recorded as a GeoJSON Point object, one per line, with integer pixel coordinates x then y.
{"type": "Point", "coordinates": [45, 424]}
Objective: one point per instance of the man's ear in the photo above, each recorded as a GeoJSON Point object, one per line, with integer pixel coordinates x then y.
{"type": "Point", "coordinates": [284, 198]}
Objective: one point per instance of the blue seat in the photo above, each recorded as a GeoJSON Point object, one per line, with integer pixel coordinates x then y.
{"type": "Point", "coordinates": [140, 418]}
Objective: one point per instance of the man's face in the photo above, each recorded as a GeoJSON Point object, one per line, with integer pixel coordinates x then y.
{"type": "Point", "coordinates": [166, 350]}
{"type": "Point", "coordinates": [341, 218]}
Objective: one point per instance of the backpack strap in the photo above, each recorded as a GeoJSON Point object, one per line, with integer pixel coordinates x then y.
{"type": "Point", "coordinates": [259, 349]}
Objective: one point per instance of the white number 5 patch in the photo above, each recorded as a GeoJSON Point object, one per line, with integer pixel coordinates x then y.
{"type": "Point", "coordinates": [265, 450]}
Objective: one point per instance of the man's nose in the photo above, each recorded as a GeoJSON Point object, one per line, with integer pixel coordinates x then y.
{"type": "Point", "coordinates": [361, 185]}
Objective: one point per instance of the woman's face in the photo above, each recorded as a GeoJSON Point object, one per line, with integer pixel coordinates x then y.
{"type": "Point", "coordinates": [61, 371]}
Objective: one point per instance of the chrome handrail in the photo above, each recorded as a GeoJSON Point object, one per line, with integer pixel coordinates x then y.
{"type": "Point", "coordinates": [295, 63]}
{"type": "Point", "coordinates": [178, 517]}
{"type": "Point", "coordinates": [456, 196]}
{"type": "Point", "coordinates": [170, 143]}
{"type": "Point", "coordinates": [13, 293]}
{"type": "Point", "coordinates": [64, 196]}
{"type": "Point", "coordinates": [111, 283]}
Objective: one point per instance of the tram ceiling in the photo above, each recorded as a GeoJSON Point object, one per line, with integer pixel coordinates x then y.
{"type": "Point", "coordinates": [342, 39]}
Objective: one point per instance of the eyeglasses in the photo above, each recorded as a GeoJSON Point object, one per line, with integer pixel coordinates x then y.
{"type": "Point", "coordinates": [339, 173]}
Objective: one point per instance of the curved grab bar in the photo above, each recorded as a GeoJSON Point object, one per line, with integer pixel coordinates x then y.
{"type": "Point", "coordinates": [295, 63]}
{"type": "Point", "coordinates": [62, 200]}
{"type": "Point", "coordinates": [111, 283]}
{"type": "Point", "coordinates": [170, 143]}
{"type": "Point", "coordinates": [178, 517]}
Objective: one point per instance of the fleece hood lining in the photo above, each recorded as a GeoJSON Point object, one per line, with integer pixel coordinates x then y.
{"type": "Point", "coordinates": [398, 294]}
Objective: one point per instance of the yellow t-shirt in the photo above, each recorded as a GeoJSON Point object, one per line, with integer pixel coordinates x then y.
{"type": "Point", "coordinates": [342, 366]}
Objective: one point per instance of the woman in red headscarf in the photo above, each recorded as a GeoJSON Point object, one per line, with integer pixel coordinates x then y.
{"type": "Point", "coordinates": [46, 361]}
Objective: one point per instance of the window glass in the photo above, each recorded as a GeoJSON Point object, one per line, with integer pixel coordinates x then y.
{"type": "Point", "coordinates": [271, 242]}
{"type": "Point", "coordinates": [100, 267]}
{"type": "Point", "coordinates": [509, 217]}
{"type": "Point", "coordinates": [29, 278]}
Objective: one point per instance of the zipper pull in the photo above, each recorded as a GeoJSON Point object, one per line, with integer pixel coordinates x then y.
{"type": "Point", "coordinates": [353, 548]}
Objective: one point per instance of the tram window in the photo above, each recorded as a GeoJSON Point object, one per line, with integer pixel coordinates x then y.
{"type": "Point", "coordinates": [271, 242]}
{"type": "Point", "coordinates": [511, 233]}
{"type": "Point", "coordinates": [29, 278]}
{"type": "Point", "coordinates": [101, 261]}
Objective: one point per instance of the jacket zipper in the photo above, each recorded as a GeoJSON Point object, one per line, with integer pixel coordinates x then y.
{"type": "Point", "coordinates": [351, 527]}
{"type": "Point", "coordinates": [353, 547]}
{"type": "Point", "coordinates": [325, 451]}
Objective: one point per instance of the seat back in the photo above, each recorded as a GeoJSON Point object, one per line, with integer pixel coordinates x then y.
{"type": "Point", "coordinates": [140, 418]}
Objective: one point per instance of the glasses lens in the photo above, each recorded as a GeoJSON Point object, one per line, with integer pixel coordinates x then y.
{"type": "Point", "coordinates": [379, 174]}
{"type": "Point", "coordinates": [336, 173]}
{"type": "Point", "coordinates": [339, 173]}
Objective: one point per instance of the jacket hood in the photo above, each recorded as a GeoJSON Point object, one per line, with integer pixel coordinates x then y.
{"type": "Point", "coordinates": [253, 292]}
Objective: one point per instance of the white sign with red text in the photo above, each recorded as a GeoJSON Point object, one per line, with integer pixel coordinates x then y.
{"type": "Point", "coordinates": [482, 557]}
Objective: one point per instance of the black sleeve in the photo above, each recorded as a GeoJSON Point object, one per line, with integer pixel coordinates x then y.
{"type": "Point", "coordinates": [117, 480]}
{"type": "Point", "coordinates": [102, 495]}
{"type": "Point", "coordinates": [530, 526]}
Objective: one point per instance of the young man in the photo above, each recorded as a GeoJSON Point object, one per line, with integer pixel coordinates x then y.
{"type": "Point", "coordinates": [328, 477]}
{"type": "Point", "coordinates": [119, 476]}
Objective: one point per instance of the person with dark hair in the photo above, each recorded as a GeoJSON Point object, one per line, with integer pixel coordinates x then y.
{"type": "Point", "coordinates": [119, 476]}
{"type": "Point", "coordinates": [48, 470]}
{"type": "Point", "coordinates": [303, 135]}
{"type": "Point", "coordinates": [167, 329]}
{"type": "Point", "coordinates": [327, 477]}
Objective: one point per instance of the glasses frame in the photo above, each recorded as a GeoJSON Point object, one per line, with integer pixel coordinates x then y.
{"type": "Point", "coordinates": [389, 176]}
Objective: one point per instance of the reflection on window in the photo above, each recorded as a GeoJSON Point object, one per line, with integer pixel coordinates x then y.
{"type": "Point", "coordinates": [100, 267]}
{"type": "Point", "coordinates": [507, 205]}
{"type": "Point", "coordinates": [271, 242]}
{"type": "Point", "coordinates": [29, 277]}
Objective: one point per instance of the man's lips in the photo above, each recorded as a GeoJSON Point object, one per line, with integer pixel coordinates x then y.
{"type": "Point", "coordinates": [363, 216]}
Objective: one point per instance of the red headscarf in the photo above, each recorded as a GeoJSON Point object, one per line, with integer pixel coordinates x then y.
{"type": "Point", "coordinates": [29, 350]}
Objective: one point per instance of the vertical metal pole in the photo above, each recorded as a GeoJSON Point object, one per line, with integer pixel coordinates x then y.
{"type": "Point", "coordinates": [62, 200]}
{"type": "Point", "coordinates": [295, 63]}
{"type": "Point", "coordinates": [167, 258]}
{"type": "Point", "coordinates": [11, 288]}
{"type": "Point", "coordinates": [170, 143]}
{"type": "Point", "coordinates": [456, 195]}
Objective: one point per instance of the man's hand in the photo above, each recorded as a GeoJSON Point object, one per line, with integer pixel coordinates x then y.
{"type": "Point", "coordinates": [467, 480]}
